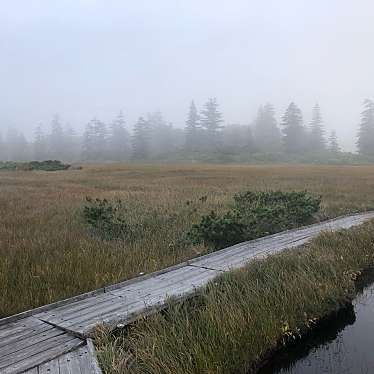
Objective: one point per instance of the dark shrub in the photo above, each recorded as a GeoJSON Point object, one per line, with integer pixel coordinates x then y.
{"type": "Point", "coordinates": [255, 214]}
{"type": "Point", "coordinates": [48, 165]}
{"type": "Point", "coordinates": [220, 231]}
{"type": "Point", "coordinates": [106, 218]}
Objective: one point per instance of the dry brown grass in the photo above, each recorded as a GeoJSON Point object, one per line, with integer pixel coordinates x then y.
{"type": "Point", "coordinates": [46, 252]}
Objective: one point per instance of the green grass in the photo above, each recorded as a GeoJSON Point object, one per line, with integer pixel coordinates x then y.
{"type": "Point", "coordinates": [245, 314]}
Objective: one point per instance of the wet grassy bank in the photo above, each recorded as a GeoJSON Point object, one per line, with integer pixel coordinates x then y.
{"type": "Point", "coordinates": [242, 316]}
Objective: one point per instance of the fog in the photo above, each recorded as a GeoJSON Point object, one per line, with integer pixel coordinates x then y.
{"type": "Point", "coordinates": [91, 58]}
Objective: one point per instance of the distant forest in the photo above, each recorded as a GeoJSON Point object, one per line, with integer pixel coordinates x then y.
{"type": "Point", "coordinates": [204, 138]}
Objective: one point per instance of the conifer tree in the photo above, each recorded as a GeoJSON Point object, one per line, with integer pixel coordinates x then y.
{"type": "Point", "coordinates": [40, 145]}
{"type": "Point", "coordinates": [95, 141]}
{"type": "Point", "coordinates": [119, 140]}
{"type": "Point", "coordinates": [333, 143]}
{"type": "Point", "coordinates": [192, 129]}
{"type": "Point", "coordinates": [317, 141]}
{"type": "Point", "coordinates": [160, 134]}
{"type": "Point", "coordinates": [293, 130]}
{"type": "Point", "coordinates": [365, 141]}
{"type": "Point", "coordinates": [266, 132]}
{"type": "Point", "coordinates": [140, 140]}
{"type": "Point", "coordinates": [211, 123]}
{"type": "Point", "coordinates": [56, 146]}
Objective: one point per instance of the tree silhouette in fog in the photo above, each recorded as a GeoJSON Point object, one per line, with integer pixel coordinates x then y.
{"type": "Point", "coordinates": [365, 141]}
{"type": "Point", "coordinates": [293, 130]}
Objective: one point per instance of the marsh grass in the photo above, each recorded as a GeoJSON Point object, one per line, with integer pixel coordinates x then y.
{"type": "Point", "coordinates": [243, 315]}
{"type": "Point", "coordinates": [47, 253]}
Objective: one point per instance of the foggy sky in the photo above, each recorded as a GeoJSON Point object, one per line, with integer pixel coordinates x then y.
{"type": "Point", "coordinates": [85, 58]}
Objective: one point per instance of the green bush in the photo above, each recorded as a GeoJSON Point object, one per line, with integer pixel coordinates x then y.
{"type": "Point", "coordinates": [106, 219]}
{"type": "Point", "coordinates": [48, 165]}
{"type": "Point", "coordinates": [255, 214]}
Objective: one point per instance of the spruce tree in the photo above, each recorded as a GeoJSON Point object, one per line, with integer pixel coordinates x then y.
{"type": "Point", "coordinates": [160, 137]}
{"type": "Point", "coordinates": [333, 143]}
{"type": "Point", "coordinates": [317, 141]}
{"type": "Point", "coordinates": [365, 141]}
{"type": "Point", "coordinates": [56, 146]}
{"type": "Point", "coordinates": [40, 145]}
{"type": "Point", "coordinates": [140, 140]}
{"type": "Point", "coordinates": [211, 123]}
{"type": "Point", "coordinates": [95, 141]}
{"type": "Point", "coordinates": [192, 129]}
{"type": "Point", "coordinates": [119, 140]}
{"type": "Point", "coordinates": [72, 144]}
{"type": "Point", "coordinates": [293, 130]}
{"type": "Point", "coordinates": [266, 132]}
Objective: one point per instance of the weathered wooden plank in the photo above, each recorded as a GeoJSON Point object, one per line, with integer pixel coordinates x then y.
{"type": "Point", "coordinates": [29, 324]}
{"type": "Point", "coordinates": [69, 363]}
{"type": "Point", "coordinates": [93, 357]}
{"type": "Point", "coordinates": [78, 307]}
{"type": "Point", "coordinates": [80, 361]}
{"type": "Point", "coordinates": [50, 367]}
{"type": "Point", "coordinates": [35, 371]}
{"type": "Point", "coordinates": [37, 354]}
{"type": "Point", "coordinates": [237, 256]}
{"type": "Point", "coordinates": [134, 297]}
{"type": "Point", "coordinates": [21, 335]}
{"type": "Point", "coordinates": [22, 344]}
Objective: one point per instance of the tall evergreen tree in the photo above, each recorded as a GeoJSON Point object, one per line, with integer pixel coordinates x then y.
{"type": "Point", "coordinates": [333, 143]}
{"type": "Point", "coordinates": [56, 146]}
{"type": "Point", "coordinates": [119, 139]}
{"type": "Point", "coordinates": [140, 140]}
{"type": "Point", "coordinates": [266, 132]}
{"type": "Point", "coordinates": [95, 141]}
{"type": "Point", "coordinates": [211, 122]}
{"type": "Point", "coordinates": [365, 141]}
{"type": "Point", "coordinates": [160, 134]}
{"type": "Point", "coordinates": [40, 144]}
{"type": "Point", "coordinates": [192, 129]}
{"type": "Point", "coordinates": [72, 145]}
{"type": "Point", "coordinates": [293, 130]}
{"type": "Point", "coordinates": [317, 141]}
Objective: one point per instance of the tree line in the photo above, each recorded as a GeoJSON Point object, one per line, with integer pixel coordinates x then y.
{"type": "Point", "coordinates": [204, 136]}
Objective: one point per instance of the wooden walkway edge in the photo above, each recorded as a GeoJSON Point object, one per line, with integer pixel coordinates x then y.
{"type": "Point", "coordinates": [56, 338]}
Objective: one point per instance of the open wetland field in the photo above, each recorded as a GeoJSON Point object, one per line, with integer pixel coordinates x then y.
{"type": "Point", "coordinates": [47, 251]}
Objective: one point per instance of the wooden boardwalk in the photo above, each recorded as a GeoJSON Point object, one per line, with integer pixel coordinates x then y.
{"type": "Point", "coordinates": [56, 338]}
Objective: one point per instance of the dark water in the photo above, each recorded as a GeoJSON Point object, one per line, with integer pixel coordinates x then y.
{"type": "Point", "coordinates": [343, 344]}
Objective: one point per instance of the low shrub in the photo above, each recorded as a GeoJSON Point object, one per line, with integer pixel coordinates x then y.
{"type": "Point", "coordinates": [48, 165]}
{"type": "Point", "coordinates": [106, 219]}
{"type": "Point", "coordinates": [255, 214]}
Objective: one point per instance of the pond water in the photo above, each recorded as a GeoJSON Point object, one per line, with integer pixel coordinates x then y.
{"type": "Point", "coordinates": [343, 344]}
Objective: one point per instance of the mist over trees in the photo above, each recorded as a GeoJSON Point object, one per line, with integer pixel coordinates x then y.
{"type": "Point", "coordinates": [365, 141]}
{"type": "Point", "coordinates": [205, 137]}
{"type": "Point", "coordinates": [266, 131]}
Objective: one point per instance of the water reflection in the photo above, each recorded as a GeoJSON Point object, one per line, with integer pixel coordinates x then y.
{"type": "Point", "coordinates": [343, 344]}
